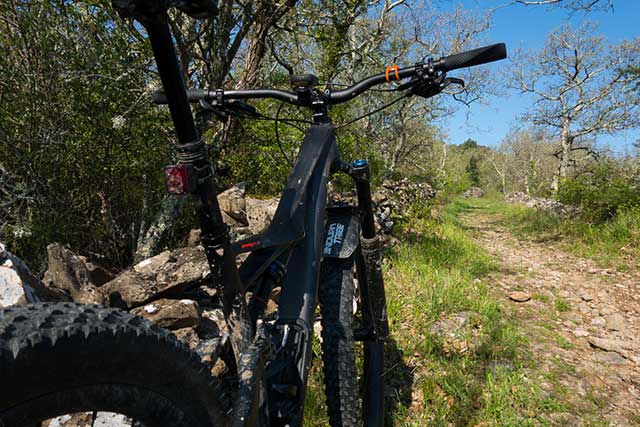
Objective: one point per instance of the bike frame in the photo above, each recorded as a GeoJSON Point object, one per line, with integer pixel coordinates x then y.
{"type": "Point", "coordinates": [293, 239]}
{"type": "Point", "coordinates": [273, 361]}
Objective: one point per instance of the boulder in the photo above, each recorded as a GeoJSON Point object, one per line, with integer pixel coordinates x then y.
{"type": "Point", "coordinates": [170, 314]}
{"type": "Point", "coordinates": [18, 285]}
{"type": "Point", "coordinates": [164, 275]}
{"type": "Point", "coordinates": [69, 273]}
{"type": "Point", "coordinates": [99, 275]}
{"type": "Point", "coordinates": [233, 205]}
{"type": "Point", "coordinates": [473, 192]}
{"type": "Point", "coordinates": [260, 212]}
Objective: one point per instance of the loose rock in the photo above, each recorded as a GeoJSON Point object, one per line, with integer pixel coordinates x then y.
{"type": "Point", "coordinates": [580, 333]}
{"type": "Point", "coordinates": [68, 272]}
{"type": "Point", "coordinates": [615, 322]}
{"type": "Point", "coordinates": [519, 296]}
{"type": "Point", "coordinates": [586, 296]}
{"type": "Point", "coordinates": [164, 275]}
{"type": "Point", "coordinates": [171, 314]}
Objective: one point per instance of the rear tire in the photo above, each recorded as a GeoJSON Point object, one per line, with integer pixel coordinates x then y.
{"type": "Point", "coordinates": [58, 359]}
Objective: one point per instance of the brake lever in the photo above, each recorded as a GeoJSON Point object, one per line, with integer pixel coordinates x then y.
{"type": "Point", "coordinates": [224, 110]}
{"type": "Point", "coordinates": [241, 109]}
{"type": "Point", "coordinates": [452, 81]}
{"type": "Point", "coordinates": [430, 87]}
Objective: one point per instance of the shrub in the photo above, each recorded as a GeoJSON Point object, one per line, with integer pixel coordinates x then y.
{"type": "Point", "coordinates": [602, 192]}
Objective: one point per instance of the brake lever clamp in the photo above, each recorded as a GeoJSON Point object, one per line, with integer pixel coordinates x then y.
{"type": "Point", "coordinates": [431, 85]}
{"type": "Point", "coordinates": [216, 107]}
{"type": "Point", "coordinates": [223, 109]}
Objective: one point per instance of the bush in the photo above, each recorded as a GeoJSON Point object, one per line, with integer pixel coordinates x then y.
{"type": "Point", "coordinates": [601, 193]}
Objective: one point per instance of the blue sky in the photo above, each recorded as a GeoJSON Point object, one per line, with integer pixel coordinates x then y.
{"type": "Point", "coordinates": [527, 27]}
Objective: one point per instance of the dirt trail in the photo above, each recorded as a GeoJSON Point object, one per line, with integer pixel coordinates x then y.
{"type": "Point", "coordinates": [583, 323]}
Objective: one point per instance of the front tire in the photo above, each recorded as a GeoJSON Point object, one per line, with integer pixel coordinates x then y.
{"type": "Point", "coordinates": [64, 358]}
{"type": "Point", "coordinates": [336, 295]}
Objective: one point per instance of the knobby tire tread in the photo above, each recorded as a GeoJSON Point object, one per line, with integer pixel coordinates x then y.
{"type": "Point", "coordinates": [58, 358]}
{"type": "Point", "coordinates": [336, 294]}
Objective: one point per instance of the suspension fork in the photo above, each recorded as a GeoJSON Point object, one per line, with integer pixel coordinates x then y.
{"type": "Point", "coordinates": [192, 157]}
{"type": "Point", "coordinates": [373, 298]}
{"type": "Point", "coordinates": [371, 250]}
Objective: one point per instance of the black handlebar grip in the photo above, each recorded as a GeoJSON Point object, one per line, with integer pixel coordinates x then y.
{"type": "Point", "coordinates": [482, 55]}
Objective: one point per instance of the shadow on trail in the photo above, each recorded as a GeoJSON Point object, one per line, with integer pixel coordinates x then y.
{"type": "Point", "coordinates": [451, 387]}
{"type": "Point", "coordinates": [398, 381]}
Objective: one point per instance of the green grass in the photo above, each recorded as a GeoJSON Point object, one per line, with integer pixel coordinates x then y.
{"type": "Point", "coordinates": [562, 305]}
{"type": "Point", "coordinates": [482, 376]}
{"type": "Point", "coordinates": [612, 244]}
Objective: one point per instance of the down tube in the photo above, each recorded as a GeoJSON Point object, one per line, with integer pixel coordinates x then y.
{"type": "Point", "coordinates": [299, 295]}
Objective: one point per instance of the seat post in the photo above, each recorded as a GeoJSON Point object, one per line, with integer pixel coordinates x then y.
{"type": "Point", "coordinates": [172, 80]}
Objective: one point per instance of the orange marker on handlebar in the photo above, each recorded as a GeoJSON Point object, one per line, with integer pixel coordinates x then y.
{"type": "Point", "coordinates": [393, 68]}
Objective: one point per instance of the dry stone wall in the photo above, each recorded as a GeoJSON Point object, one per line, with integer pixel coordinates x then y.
{"type": "Point", "coordinates": [541, 203]}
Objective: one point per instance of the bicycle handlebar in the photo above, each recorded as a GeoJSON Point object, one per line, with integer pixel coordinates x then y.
{"type": "Point", "coordinates": [195, 95]}
{"type": "Point", "coordinates": [482, 55]}
{"type": "Point", "coordinates": [470, 58]}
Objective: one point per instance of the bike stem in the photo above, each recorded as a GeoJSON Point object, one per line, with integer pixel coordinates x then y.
{"type": "Point", "coordinates": [191, 151]}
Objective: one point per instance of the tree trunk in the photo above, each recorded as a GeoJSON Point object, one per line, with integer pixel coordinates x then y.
{"type": "Point", "coordinates": [565, 156]}
{"type": "Point", "coordinates": [169, 211]}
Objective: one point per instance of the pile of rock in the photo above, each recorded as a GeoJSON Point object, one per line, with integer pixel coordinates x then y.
{"type": "Point", "coordinates": [394, 198]}
{"type": "Point", "coordinates": [391, 201]}
{"type": "Point", "coordinates": [541, 203]}
{"type": "Point", "coordinates": [473, 192]}
{"type": "Point", "coordinates": [155, 288]}
{"type": "Point", "coordinates": [172, 289]}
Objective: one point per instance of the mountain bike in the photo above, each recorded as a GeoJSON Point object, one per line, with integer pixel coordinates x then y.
{"type": "Point", "coordinates": [62, 358]}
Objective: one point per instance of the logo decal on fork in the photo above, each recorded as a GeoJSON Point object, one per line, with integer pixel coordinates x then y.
{"type": "Point", "coordinates": [335, 235]}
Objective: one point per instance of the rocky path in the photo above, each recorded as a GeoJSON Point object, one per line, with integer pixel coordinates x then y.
{"type": "Point", "coordinates": [582, 321]}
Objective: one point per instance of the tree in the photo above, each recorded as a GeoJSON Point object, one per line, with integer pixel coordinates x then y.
{"type": "Point", "coordinates": [469, 143]}
{"type": "Point", "coordinates": [76, 143]}
{"type": "Point", "coordinates": [580, 90]}
{"type": "Point", "coordinates": [527, 161]}
{"type": "Point", "coordinates": [575, 5]}
{"type": "Point", "coordinates": [473, 170]}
